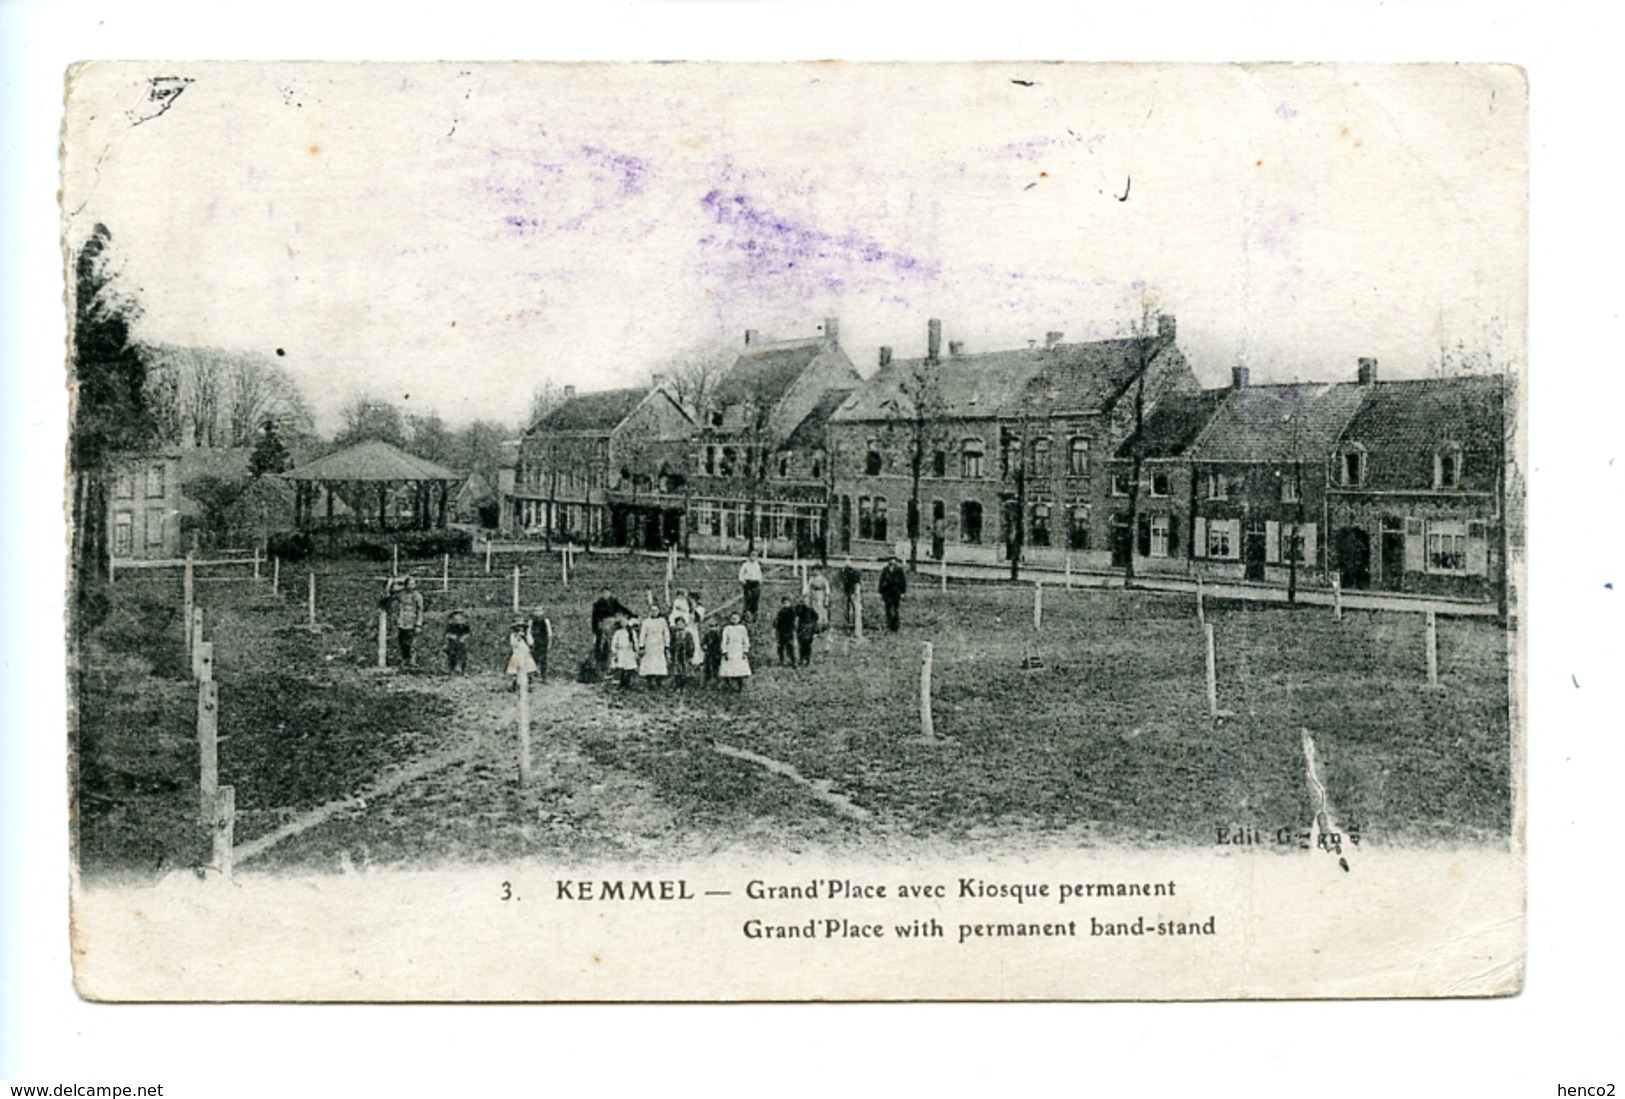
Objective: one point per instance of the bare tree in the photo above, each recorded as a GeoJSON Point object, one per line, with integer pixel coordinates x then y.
{"type": "Point", "coordinates": [690, 376]}
{"type": "Point", "coordinates": [1144, 350]}
{"type": "Point", "coordinates": [916, 424]}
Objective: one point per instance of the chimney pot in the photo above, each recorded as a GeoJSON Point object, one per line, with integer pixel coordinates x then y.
{"type": "Point", "coordinates": [1368, 371]}
{"type": "Point", "coordinates": [885, 356]}
{"type": "Point", "coordinates": [933, 339]}
{"type": "Point", "coordinates": [956, 348]}
{"type": "Point", "coordinates": [1052, 338]}
{"type": "Point", "coordinates": [1167, 328]}
{"type": "Point", "coordinates": [569, 392]}
{"type": "Point", "coordinates": [1238, 377]}
{"type": "Point", "coordinates": [752, 337]}
{"type": "Point", "coordinates": [832, 329]}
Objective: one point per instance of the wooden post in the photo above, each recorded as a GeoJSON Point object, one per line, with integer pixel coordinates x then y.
{"type": "Point", "coordinates": [276, 576]}
{"type": "Point", "coordinates": [1201, 602]}
{"type": "Point", "coordinates": [1212, 674]}
{"type": "Point", "coordinates": [196, 634]}
{"type": "Point", "coordinates": [1337, 596]}
{"type": "Point", "coordinates": [1038, 604]}
{"type": "Point", "coordinates": [445, 572]}
{"type": "Point", "coordinates": [1068, 570]}
{"type": "Point", "coordinates": [564, 566]}
{"type": "Point", "coordinates": [942, 571]}
{"type": "Point", "coordinates": [524, 727]}
{"type": "Point", "coordinates": [857, 614]}
{"type": "Point", "coordinates": [256, 564]}
{"type": "Point", "coordinates": [311, 598]}
{"type": "Point", "coordinates": [488, 554]}
{"type": "Point", "coordinates": [927, 730]}
{"type": "Point", "coordinates": [222, 825]}
{"type": "Point", "coordinates": [186, 601]}
{"type": "Point", "coordinates": [205, 661]}
{"type": "Point", "coordinates": [208, 744]}
{"type": "Point", "coordinates": [516, 589]}
{"type": "Point", "coordinates": [1433, 648]}
{"type": "Point", "coordinates": [395, 559]}
{"type": "Point", "coordinates": [383, 638]}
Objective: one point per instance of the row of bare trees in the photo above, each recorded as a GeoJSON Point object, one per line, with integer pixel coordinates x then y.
{"type": "Point", "coordinates": [205, 396]}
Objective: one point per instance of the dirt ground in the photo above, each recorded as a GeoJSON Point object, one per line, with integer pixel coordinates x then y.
{"type": "Point", "coordinates": [1102, 737]}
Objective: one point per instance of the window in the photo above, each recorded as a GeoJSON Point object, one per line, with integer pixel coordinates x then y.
{"type": "Point", "coordinates": [872, 461]}
{"type": "Point", "coordinates": [939, 464]}
{"type": "Point", "coordinates": [124, 486]}
{"type": "Point", "coordinates": [729, 459]}
{"type": "Point", "coordinates": [711, 461]}
{"type": "Point", "coordinates": [155, 481]}
{"type": "Point", "coordinates": [970, 460]}
{"type": "Point", "coordinates": [1159, 484]}
{"type": "Point", "coordinates": [1218, 485]}
{"type": "Point", "coordinates": [1077, 533]}
{"type": "Point", "coordinates": [1291, 543]}
{"type": "Point", "coordinates": [818, 468]}
{"type": "Point", "coordinates": [1009, 454]}
{"type": "Point", "coordinates": [1041, 449]}
{"type": "Point", "coordinates": [1289, 488]}
{"type": "Point", "coordinates": [1351, 468]}
{"type": "Point", "coordinates": [784, 465]}
{"type": "Point", "coordinates": [1222, 538]}
{"type": "Point", "coordinates": [1447, 547]}
{"type": "Point", "coordinates": [124, 533]}
{"type": "Point", "coordinates": [155, 523]}
{"type": "Point", "coordinates": [1160, 536]}
{"type": "Point", "coordinates": [1119, 484]}
{"type": "Point", "coordinates": [1447, 467]}
{"type": "Point", "coordinates": [880, 519]}
{"type": "Point", "coordinates": [913, 519]}
{"type": "Point", "coordinates": [970, 522]}
{"type": "Point", "coordinates": [1040, 526]}
{"type": "Point", "coordinates": [1077, 457]}
{"type": "Point", "coordinates": [866, 518]}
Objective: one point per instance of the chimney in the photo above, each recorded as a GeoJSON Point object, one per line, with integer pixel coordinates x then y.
{"type": "Point", "coordinates": [1238, 377]}
{"type": "Point", "coordinates": [1052, 338]}
{"type": "Point", "coordinates": [1167, 329]}
{"type": "Point", "coordinates": [752, 337]}
{"type": "Point", "coordinates": [658, 380]}
{"type": "Point", "coordinates": [832, 329]}
{"type": "Point", "coordinates": [1368, 371]}
{"type": "Point", "coordinates": [933, 339]}
{"type": "Point", "coordinates": [956, 348]}
{"type": "Point", "coordinates": [569, 392]}
{"type": "Point", "coordinates": [885, 356]}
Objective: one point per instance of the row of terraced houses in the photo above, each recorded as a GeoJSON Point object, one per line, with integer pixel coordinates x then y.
{"type": "Point", "coordinates": [1089, 455]}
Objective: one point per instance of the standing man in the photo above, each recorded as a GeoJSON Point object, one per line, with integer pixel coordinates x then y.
{"type": "Point", "coordinates": [750, 584]}
{"type": "Point", "coordinates": [408, 619]}
{"type": "Point", "coordinates": [784, 631]}
{"type": "Point", "coordinates": [893, 585]}
{"type": "Point", "coordinates": [852, 588]}
{"type": "Point", "coordinates": [806, 630]}
{"type": "Point", "coordinates": [541, 639]}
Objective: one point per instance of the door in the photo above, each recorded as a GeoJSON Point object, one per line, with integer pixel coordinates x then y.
{"type": "Point", "coordinates": [1122, 541]}
{"type": "Point", "coordinates": [939, 528]}
{"type": "Point", "coordinates": [1393, 553]}
{"type": "Point", "coordinates": [846, 524]}
{"type": "Point", "coordinates": [1354, 556]}
{"type": "Point", "coordinates": [1254, 548]}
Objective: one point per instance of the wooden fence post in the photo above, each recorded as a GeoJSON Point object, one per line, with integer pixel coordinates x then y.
{"type": "Point", "coordinates": [256, 564]}
{"type": "Point", "coordinates": [1201, 608]}
{"type": "Point", "coordinates": [524, 727]}
{"type": "Point", "coordinates": [927, 729]}
{"type": "Point", "coordinates": [857, 613]}
{"type": "Point", "coordinates": [1212, 674]}
{"type": "Point", "coordinates": [195, 632]}
{"type": "Point", "coordinates": [488, 554]}
{"type": "Point", "coordinates": [186, 601]}
{"type": "Point", "coordinates": [942, 573]}
{"type": "Point", "coordinates": [516, 589]}
{"type": "Point", "coordinates": [208, 744]}
{"type": "Point", "coordinates": [564, 565]}
{"type": "Point", "coordinates": [445, 572]}
{"type": "Point", "coordinates": [1068, 570]}
{"type": "Point", "coordinates": [1433, 648]}
{"type": "Point", "coordinates": [1038, 604]}
{"type": "Point", "coordinates": [311, 598]}
{"type": "Point", "coordinates": [383, 638]}
{"type": "Point", "coordinates": [205, 661]}
{"type": "Point", "coordinates": [223, 813]}
{"type": "Point", "coordinates": [1337, 596]}
{"type": "Point", "coordinates": [276, 576]}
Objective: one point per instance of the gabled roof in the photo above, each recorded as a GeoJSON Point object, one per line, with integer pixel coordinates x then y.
{"type": "Point", "coordinates": [1262, 423]}
{"type": "Point", "coordinates": [809, 433]}
{"type": "Point", "coordinates": [1424, 413]}
{"type": "Point", "coordinates": [1076, 378]}
{"type": "Point", "coordinates": [372, 460]}
{"type": "Point", "coordinates": [1174, 424]}
{"type": "Point", "coordinates": [764, 376]}
{"type": "Point", "coordinates": [602, 411]}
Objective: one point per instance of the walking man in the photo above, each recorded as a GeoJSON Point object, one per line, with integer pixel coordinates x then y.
{"type": "Point", "coordinates": [750, 584]}
{"type": "Point", "coordinates": [852, 589]}
{"type": "Point", "coordinates": [893, 585]}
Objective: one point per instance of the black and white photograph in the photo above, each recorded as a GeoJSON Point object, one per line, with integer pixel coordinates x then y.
{"type": "Point", "coordinates": [798, 531]}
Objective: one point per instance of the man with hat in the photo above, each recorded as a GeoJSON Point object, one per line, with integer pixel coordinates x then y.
{"type": "Point", "coordinates": [893, 585]}
{"type": "Point", "coordinates": [541, 639]}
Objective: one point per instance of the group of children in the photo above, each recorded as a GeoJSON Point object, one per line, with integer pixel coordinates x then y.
{"type": "Point", "coordinates": [678, 642]}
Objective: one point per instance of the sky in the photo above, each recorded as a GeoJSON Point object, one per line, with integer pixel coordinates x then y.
{"type": "Point", "coordinates": [450, 236]}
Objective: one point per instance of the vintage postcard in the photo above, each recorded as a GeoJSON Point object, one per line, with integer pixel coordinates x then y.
{"type": "Point", "coordinates": [795, 531]}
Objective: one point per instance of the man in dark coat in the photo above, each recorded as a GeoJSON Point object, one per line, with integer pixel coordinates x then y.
{"type": "Point", "coordinates": [806, 629]}
{"type": "Point", "coordinates": [893, 585]}
{"type": "Point", "coordinates": [605, 609]}
{"type": "Point", "coordinates": [784, 630]}
{"type": "Point", "coordinates": [852, 589]}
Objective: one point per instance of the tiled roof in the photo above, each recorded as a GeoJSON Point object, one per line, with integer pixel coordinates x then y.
{"type": "Point", "coordinates": [764, 376]}
{"type": "Point", "coordinates": [809, 433]}
{"type": "Point", "coordinates": [601, 411]}
{"type": "Point", "coordinates": [1278, 422]}
{"type": "Point", "coordinates": [1069, 377]}
{"type": "Point", "coordinates": [372, 460]}
{"type": "Point", "coordinates": [1421, 414]}
{"type": "Point", "coordinates": [1174, 424]}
